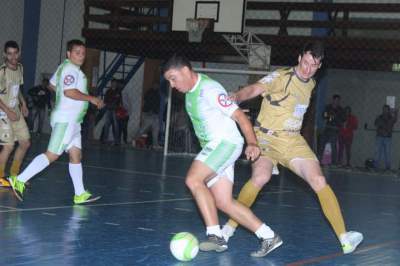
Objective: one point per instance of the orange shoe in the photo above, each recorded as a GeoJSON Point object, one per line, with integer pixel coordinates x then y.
{"type": "Point", "coordinates": [4, 182]}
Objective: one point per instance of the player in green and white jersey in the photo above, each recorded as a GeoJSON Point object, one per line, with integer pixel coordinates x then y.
{"type": "Point", "coordinates": [72, 100]}
{"type": "Point", "coordinates": [211, 175]}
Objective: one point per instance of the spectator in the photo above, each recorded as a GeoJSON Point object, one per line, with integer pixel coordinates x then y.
{"type": "Point", "coordinates": [346, 135]}
{"type": "Point", "coordinates": [150, 117]}
{"type": "Point", "coordinates": [334, 117]}
{"type": "Point", "coordinates": [384, 127]}
{"type": "Point", "coordinates": [40, 96]}
{"type": "Point", "coordinates": [122, 118]}
{"type": "Point", "coordinates": [112, 99]}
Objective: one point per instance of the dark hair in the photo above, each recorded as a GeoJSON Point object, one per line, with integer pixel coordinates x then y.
{"type": "Point", "coordinates": [315, 48]}
{"type": "Point", "coordinates": [75, 42]}
{"type": "Point", "coordinates": [336, 96]}
{"type": "Point", "coordinates": [11, 44]}
{"type": "Point", "coordinates": [176, 61]}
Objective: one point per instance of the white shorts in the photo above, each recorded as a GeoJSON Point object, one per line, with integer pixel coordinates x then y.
{"type": "Point", "coordinates": [64, 135]}
{"type": "Point", "coordinates": [220, 156]}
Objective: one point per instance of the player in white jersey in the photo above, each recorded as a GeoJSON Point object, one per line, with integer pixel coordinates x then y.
{"type": "Point", "coordinates": [12, 111]}
{"type": "Point", "coordinates": [210, 177]}
{"type": "Point", "coordinates": [72, 100]}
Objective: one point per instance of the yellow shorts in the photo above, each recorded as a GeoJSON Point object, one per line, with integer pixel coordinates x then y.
{"type": "Point", "coordinates": [283, 147]}
{"type": "Point", "coordinates": [13, 131]}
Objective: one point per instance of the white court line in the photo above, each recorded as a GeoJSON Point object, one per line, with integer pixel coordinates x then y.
{"type": "Point", "coordinates": [97, 205]}
{"type": "Point", "coordinates": [10, 208]}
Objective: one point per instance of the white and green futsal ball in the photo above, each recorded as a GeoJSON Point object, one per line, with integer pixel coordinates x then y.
{"type": "Point", "coordinates": [184, 246]}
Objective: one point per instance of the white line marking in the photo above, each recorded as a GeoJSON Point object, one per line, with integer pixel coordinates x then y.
{"type": "Point", "coordinates": [49, 213]}
{"type": "Point", "coordinates": [9, 208]}
{"type": "Point", "coordinates": [98, 205]}
{"type": "Point", "coordinates": [182, 209]}
{"type": "Point", "coordinates": [145, 229]}
{"type": "Point", "coordinates": [115, 224]}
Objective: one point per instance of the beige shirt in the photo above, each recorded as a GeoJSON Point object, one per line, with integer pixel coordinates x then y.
{"type": "Point", "coordinates": [10, 83]}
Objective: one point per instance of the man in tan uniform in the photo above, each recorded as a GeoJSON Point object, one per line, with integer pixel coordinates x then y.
{"type": "Point", "coordinates": [286, 96]}
{"type": "Point", "coordinates": [12, 111]}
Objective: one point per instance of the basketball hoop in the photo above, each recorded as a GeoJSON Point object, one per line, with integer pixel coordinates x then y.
{"type": "Point", "coordinates": [196, 27]}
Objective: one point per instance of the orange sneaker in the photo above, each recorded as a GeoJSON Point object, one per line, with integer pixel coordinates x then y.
{"type": "Point", "coordinates": [4, 182]}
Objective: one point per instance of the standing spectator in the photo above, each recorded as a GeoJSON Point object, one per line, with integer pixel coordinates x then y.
{"type": "Point", "coordinates": [346, 135]}
{"type": "Point", "coordinates": [40, 96]}
{"type": "Point", "coordinates": [150, 118]}
{"type": "Point", "coordinates": [384, 127]}
{"type": "Point", "coordinates": [122, 118]}
{"type": "Point", "coordinates": [112, 100]}
{"type": "Point", "coordinates": [334, 117]}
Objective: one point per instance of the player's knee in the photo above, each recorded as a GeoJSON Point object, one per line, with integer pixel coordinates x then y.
{"type": "Point", "coordinates": [8, 148]}
{"type": "Point", "coordinates": [25, 144]}
{"type": "Point", "coordinates": [192, 183]}
{"type": "Point", "coordinates": [260, 180]}
{"type": "Point", "coordinates": [224, 204]}
{"type": "Point", "coordinates": [317, 182]}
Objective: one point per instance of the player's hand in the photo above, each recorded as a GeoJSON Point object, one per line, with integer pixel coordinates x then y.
{"type": "Point", "coordinates": [12, 115]}
{"type": "Point", "coordinates": [252, 152]}
{"type": "Point", "coordinates": [233, 97]}
{"type": "Point", "coordinates": [97, 102]}
{"type": "Point", "coordinates": [24, 110]}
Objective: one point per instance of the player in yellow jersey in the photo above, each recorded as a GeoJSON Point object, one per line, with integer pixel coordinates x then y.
{"type": "Point", "coordinates": [286, 95]}
{"type": "Point", "coordinates": [12, 111]}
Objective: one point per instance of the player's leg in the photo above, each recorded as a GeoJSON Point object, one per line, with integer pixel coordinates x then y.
{"type": "Point", "coordinates": [310, 171]}
{"type": "Point", "coordinates": [222, 192]}
{"type": "Point", "coordinates": [21, 132]}
{"type": "Point", "coordinates": [74, 147]}
{"type": "Point", "coordinates": [195, 180]}
{"type": "Point", "coordinates": [261, 174]}
{"type": "Point", "coordinates": [5, 152]}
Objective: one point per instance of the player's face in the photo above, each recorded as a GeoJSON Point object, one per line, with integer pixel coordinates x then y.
{"type": "Point", "coordinates": [77, 55]}
{"type": "Point", "coordinates": [308, 66]}
{"type": "Point", "coordinates": [12, 57]}
{"type": "Point", "coordinates": [180, 79]}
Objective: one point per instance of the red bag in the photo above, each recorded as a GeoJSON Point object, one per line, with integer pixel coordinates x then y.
{"type": "Point", "coordinates": [121, 112]}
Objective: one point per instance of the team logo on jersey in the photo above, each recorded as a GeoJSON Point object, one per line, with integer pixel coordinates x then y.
{"type": "Point", "coordinates": [69, 79]}
{"type": "Point", "coordinates": [224, 100]}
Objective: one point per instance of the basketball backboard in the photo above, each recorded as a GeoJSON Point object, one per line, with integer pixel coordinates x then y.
{"type": "Point", "coordinates": [228, 15]}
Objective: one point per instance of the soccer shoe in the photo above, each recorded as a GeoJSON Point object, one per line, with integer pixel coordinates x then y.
{"type": "Point", "coordinates": [214, 243]}
{"type": "Point", "coordinates": [350, 240]}
{"type": "Point", "coordinates": [4, 182]}
{"type": "Point", "coordinates": [267, 245]}
{"type": "Point", "coordinates": [227, 232]}
{"type": "Point", "coordinates": [17, 186]}
{"type": "Point", "coordinates": [85, 197]}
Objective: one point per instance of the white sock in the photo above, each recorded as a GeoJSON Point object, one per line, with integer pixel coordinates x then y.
{"type": "Point", "coordinates": [39, 163]}
{"type": "Point", "coordinates": [214, 230]}
{"type": "Point", "coordinates": [264, 232]}
{"type": "Point", "coordinates": [75, 171]}
{"type": "Point", "coordinates": [228, 230]}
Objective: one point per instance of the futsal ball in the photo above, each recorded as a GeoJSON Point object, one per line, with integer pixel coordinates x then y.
{"type": "Point", "coordinates": [184, 246]}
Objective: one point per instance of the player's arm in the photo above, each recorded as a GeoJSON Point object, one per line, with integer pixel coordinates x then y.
{"type": "Point", "coordinates": [248, 92]}
{"type": "Point", "coordinates": [9, 112]}
{"type": "Point", "coordinates": [79, 96]}
{"type": "Point", "coordinates": [252, 150]}
{"type": "Point", "coordinates": [51, 87]}
{"type": "Point", "coordinates": [24, 107]}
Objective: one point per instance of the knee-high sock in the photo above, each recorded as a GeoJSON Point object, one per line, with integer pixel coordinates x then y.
{"type": "Point", "coordinates": [2, 167]}
{"type": "Point", "coordinates": [39, 163]}
{"type": "Point", "coordinates": [75, 171]}
{"type": "Point", "coordinates": [247, 196]}
{"type": "Point", "coordinates": [15, 167]}
{"type": "Point", "coordinates": [330, 207]}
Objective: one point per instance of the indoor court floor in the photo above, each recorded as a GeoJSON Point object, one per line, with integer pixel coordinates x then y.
{"type": "Point", "coordinates": [144, 202]}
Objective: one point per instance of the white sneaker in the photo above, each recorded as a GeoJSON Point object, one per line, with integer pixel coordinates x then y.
{"type": "Point", "coordinates": [227, 231]}
{"type": "Point", "coordinates": [350, 240]}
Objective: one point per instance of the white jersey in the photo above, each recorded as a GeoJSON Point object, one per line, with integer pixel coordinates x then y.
{"type": "Point", "coordinates": [210, 110]}
{"type": "Point", "coordinates": [69, 76]}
